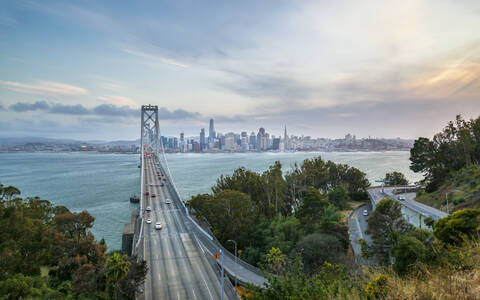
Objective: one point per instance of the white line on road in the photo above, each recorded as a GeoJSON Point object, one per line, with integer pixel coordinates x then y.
{"type": "Point", "coordinates": [359, 228]}
{"type": "Point", "coordinates": [204, 281]}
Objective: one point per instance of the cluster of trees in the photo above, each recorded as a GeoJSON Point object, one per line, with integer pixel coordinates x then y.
{"type": "Point", "coordinates": [298, 213]}
{"type": "Point", "coordinates": [414, 263]}
{"type": "Point", "coordinates": [46, 251]}
{"type": "Point", "coordinates": [398, 243]}
{"type": "Point", "coordinates": [457, 146]}
{"type": "Point", "coordinates": [442, 263]}
{"type": "Point", "coordinates": [396, 178]}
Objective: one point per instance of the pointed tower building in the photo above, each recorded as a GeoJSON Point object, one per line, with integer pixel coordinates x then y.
{"type": "Point", "coordinates": [285, 139]}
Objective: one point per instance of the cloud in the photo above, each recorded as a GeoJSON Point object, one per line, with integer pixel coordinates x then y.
{"type": "Point", "coordinates": [22, 106]}
{"type": "Point", "coordinates": [77, 109]}
{"type": "Point", "coordinates": [232, 119]}
{"type": "Point", "coordinates": [156, 57]}
{"type": "Point", "coordinates": [270, 86]}
{"type": "Point", "coordinates": [102, 110]}
{"type": "Point", "coordinates": [164, 113]}
{"type": "Point", "coordinates": [45, 87]}
{"type": "Point", "coordinates": [117, 100]}
{"type": "Point", "coordinates": [112, 110]}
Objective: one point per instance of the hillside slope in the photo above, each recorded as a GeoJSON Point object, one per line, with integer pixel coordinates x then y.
{"type": "Point", "coordinates": [463, 189]}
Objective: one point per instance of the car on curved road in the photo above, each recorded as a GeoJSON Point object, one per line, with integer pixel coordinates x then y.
{"type": "Point", "coordinates": [365, 212]}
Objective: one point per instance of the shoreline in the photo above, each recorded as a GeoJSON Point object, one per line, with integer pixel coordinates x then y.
{"type": "Point", "coordinates": [218, 152]}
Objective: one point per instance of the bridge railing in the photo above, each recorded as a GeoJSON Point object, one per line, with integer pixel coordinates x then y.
{"type": "Point", "coordinates": [218, 245]}
{"type": "Point", "coordinates": [230, 255]}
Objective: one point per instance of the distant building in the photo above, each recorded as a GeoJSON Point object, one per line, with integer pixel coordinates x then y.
{"type": "Point", "coordinates": [276, 144]}
{"type": "Point", "coordinates": [211, 132]}
{"type": "Point", "coordinates": [203, 144]}
{"type": "Point", "coordinates": [252, 141]}
{"type": "Point", "coordinates": [262, 140]}
{"type": "Point", "coordinates": [183, 145]}
{"type": "Point", "coordinates": [230, 143]}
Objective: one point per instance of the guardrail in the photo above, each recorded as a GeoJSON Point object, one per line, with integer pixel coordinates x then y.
{"type": "Point", "coordinates": [212, 238]}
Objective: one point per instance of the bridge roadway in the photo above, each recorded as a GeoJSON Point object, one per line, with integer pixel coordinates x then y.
{"type": "Point", "coordinates": [178, 266]}
{"type": "Point", "coordinates": [376, 195]}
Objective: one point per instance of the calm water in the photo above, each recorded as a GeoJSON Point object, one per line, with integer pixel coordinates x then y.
{"type": "Point", "coordinates": [103, 183]}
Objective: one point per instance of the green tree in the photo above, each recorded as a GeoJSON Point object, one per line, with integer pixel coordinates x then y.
{"type": "Point", "coordinates": [407, 252]}
{"type": "Point", "coordinates": [19, 286]}
{"type": "Point", "coordinates": [231, 214]}
{"type": "Point", "coordinates": [385, 225]}
{"type": "Point", "coordinates": [283, 233]}
{"type": "Point", "coordinates": [247, 182]}
{"type": "Point", "coordinates": [75, 224]}
{"type": "Point", "coordinates": [276, 189]}
{"type": "Point", "coordinates": [455, 147]}
{"type": "Point", "coordinates": [311, 211]}
{"type": "Point", "coordinates": [276, 260]}
{"type": "Point", "coordinates": [396, 178]}
{"type": "Point", "coordinates": [462, 224]}
{"type": "Point", "coordinates": [8, 192]}
{"type": "Point", "coordinates": [332, 282]}
{"type": "Point", "coordinates": [116, 269]}
{"type": "Point", "coordinates": [318, 248]}
{"type": "Point", "coordinates": [339, 197]}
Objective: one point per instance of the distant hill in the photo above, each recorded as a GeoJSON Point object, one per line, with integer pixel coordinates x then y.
{"type": "Point", "coordinates": [463, 187]}
{"type": "Point", "coordinates": [12, 141]}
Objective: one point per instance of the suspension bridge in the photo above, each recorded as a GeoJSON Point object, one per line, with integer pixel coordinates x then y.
{"type": "Point", "coordinates": [178, 251]}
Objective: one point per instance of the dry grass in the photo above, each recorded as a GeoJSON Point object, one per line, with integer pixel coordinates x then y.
{"type": "Point", "coordinates": [448, 280]}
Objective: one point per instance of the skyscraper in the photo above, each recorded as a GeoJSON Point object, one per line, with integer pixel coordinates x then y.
{"type": "Point", "coordinates": [253, 140]}
{"type": "Point", "coordinates": [182, 144]}
{"type": "Point", "coordinates": [202, 139]}
{"type": "Point", "coordinates": [211, 131]}
{"type": "Point", "coordinates": [285, 140]}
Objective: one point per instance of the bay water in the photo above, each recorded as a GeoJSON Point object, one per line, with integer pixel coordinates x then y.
{"type": "Point", "coordinates": [103, 183]}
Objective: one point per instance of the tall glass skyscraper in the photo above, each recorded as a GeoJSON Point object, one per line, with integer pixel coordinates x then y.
{"type": "Point", "coordinates": [211, 131]}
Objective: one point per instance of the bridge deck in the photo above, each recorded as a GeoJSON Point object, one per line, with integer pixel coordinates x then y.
{"type": "Point", "coordinates": [178, 267]}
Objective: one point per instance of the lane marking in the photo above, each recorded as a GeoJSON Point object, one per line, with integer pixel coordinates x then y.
{"type": "Point", "coordinates": [204, 281]}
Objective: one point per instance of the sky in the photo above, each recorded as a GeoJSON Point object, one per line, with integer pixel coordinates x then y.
{"type": "Point", "coordinates": [82, 69]}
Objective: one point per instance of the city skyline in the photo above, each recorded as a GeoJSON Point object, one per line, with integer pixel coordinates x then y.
{"type": "Point", "coordinates": [82, 70]}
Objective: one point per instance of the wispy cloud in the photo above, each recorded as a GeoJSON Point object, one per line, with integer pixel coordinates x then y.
{"type": "Point", "coordinates": [156, 57]}
{"type": "Point", "coordinates": [45, 87]}
{"type": "Point", "coordinates": [117, 100]}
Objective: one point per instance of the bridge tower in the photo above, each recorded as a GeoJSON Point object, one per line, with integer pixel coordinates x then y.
{"type": "Point", "coordinates": [150, 129]}
{"type": "Point", "coordinates": [149, 135]}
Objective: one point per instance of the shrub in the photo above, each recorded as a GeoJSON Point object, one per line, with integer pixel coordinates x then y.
{"type": "Point", "coordinates": [377, 288]}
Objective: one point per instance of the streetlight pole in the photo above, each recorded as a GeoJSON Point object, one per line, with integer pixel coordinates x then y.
{"type": "Point", "coordinates": [235, 268]}
{"type": "Point", "coordinates": [446, 198]}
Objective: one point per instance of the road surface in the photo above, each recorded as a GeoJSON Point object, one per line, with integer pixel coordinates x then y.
{"type": "Point", "coordinates": [427, 211]}
{"type": "Point", "coordinates": [178, 266]}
